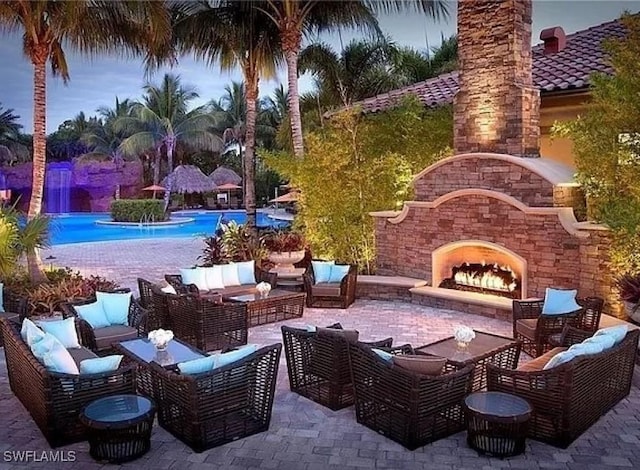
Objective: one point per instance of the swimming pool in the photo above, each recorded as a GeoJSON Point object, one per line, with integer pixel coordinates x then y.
{"type": "Point", "coordinates": [82, 227]}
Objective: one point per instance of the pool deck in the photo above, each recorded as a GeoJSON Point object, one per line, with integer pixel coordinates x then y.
{"type": "Point", "coordinates": [304, 435]}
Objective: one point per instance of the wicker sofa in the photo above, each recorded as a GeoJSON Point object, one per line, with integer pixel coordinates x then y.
{"type": "Point", "coordinates": [571, 397]}
{"type": "Point", "coordinates": [318, 366]}
{"type": "Point", "coordinates": [409, 408]}
{"type": "Point", "coordinates": [55, 400]}
{"type": "Point", "coordinates": [153, 300]}
{"type": "Point", "coordinates": [210, 409]}
{"type": "Point", "coordinates": [260, 275]}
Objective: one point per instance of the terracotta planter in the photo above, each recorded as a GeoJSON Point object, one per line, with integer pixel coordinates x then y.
{"type": "Point", "coordinates": [285, 261]}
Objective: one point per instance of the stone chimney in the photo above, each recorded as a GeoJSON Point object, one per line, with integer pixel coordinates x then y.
{"type": "Point", "coordinates": [554, 39]}
{"type": "Point", "coordinates": [497, 106]}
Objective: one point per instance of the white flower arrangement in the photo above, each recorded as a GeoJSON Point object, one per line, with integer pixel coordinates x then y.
{"type": "Point", "coordinates": [463, 334]}
{"type": "Point", "coordinates": [160, 338]}
{"type": "Point", "coordinates": [263, 289]}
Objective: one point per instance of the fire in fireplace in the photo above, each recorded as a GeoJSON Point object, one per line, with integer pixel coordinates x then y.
{"type": "Point", "coordinates": [486, 278]}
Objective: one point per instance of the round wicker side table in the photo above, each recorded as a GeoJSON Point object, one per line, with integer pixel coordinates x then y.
{"type": "Point", "coordinates": [119, 427]}
{"type": "Point", "coordinates": [497, 423]}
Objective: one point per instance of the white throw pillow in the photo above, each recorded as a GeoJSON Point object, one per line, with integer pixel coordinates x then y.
{"type": "Point", "coordinates": [194, 276]}
{"type": "Point", "coordinates": [617, 332]}
{"type": "Point", "coordinates": [213, 277]}
{"type": "Point", "coordinates": [247, 272]}
{"type": "Point", "coordinates": [93, 314]}
{"type": "Point", "coordinates": [169, 289]}
{"type": "Point", "coordinates": [54, 356]}
{"type": "Point", "coordinates": [558, 301]}
{"type": "Point", "coordinates": [230, 275]}
{"type": "Point", "coordinates": [63, 330]}
{"type": "Point", "coordinates": [30, 332]}
{"type": "Point", "coordinates": [116, 306]}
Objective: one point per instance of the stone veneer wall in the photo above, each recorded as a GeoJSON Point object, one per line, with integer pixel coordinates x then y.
{"type": "Point", "coordinates": [497, 106]}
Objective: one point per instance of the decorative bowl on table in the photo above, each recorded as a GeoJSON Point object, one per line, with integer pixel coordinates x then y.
{"type": "Point", "coordinates": [160, 338]}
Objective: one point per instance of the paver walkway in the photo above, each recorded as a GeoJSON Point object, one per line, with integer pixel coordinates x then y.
{"type": "Point", "coordinates": [307, 436]}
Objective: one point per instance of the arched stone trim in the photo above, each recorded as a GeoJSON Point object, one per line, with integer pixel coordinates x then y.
{"type": "Point", "coordinates": [553, 172]}
{"type": "Point", "coordinates": [565, 214]}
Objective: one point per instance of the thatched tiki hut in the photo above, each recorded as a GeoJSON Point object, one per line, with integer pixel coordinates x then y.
{"type": "Point", "coordinates": [229, 186]}
{"type": "Point", "coordinates": [189, 181]}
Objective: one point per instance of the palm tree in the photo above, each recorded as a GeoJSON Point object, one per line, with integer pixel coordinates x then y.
{"type": "Point", "coordinates": [9, 126]}
{"type": "Point", "coordinates": [235, 34]}
{"type": "Point", "coordinates": [295, 18]}
{"type": "Point", "coordinates": [362, 69]}
{"type": "Point", "coordinates": [162, 121]}
{"type": "Point", "coordinates": [87, 26]}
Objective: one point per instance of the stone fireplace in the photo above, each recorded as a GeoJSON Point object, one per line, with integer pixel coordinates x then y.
{"type": "Point", "coordinates": [494, 222]}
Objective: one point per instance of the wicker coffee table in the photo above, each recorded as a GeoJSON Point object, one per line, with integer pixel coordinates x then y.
{"type": "Point", "coordinates": [119, 427]}
{"type": "Point", "coordinates": [497, 423]}
{"type": "Point", "coordinates": [484, 349]}
{"type": "Point", "coordinates": [141, 352]}
{"type": "Point", "coordinates": [279, 305]}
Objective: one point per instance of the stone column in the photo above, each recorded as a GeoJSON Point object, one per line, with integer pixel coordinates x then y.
{"type": "Point", "coordinates": [497, 106]}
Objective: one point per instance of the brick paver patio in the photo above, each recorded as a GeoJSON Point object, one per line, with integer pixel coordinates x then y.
{"type": "Point", "coordinates": [307, 436]}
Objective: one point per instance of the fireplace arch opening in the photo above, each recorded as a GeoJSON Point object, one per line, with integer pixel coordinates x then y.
{"type": "Point", "coordinates": [481, 267]}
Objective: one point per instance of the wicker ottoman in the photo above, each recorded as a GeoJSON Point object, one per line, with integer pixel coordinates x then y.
{"type": "Point", "coordinates": [119, 427]}
{"type": "Point", "coordinates": [497, 423]}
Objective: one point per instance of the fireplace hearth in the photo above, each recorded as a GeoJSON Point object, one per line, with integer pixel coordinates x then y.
{"type": "Point", "coordinates": [484, 278]}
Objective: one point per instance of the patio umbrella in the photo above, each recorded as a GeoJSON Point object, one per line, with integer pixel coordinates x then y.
{"type": "Point", "coordinates": [292, 196]}
{"type": "Point", "coordinates": [154, 188]}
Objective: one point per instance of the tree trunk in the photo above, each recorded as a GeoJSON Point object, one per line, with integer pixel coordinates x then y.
{"type": "Point", "coordinates": [167, 193]}
{"type": "Point", "coordinates": [249, 154]}
{"type": "Point", "coordinates": [291, 40]}
{"type": "Point", "coordinates": [34, 263]}
{"type": "Point", "coordinates": [156, 167]}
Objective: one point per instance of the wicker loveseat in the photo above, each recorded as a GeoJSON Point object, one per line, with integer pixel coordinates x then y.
{"type": "Point", "coordinates": [569, 398]}
{"type": "Point", "coordinates": [318, 366]}
{"type": "Point", "coordinates": [210, 409]}
{"type": "Point", "coordinates": [260, 276]}
{"type": "Point", "coordinates": [153, 300]}
{"type": "Point", "coordinates": [324, 294]}
{"type": "Point", "coordinates": [409, 408]}
{"type": "Point", "coordinates": [55, 400]}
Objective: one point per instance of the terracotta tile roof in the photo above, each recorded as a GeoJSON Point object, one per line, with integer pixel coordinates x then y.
{"type": "Point", "coordinates": [564, 70]}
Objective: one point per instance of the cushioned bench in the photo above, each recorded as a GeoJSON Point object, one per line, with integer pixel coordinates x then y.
{"type": "Point", "coordinates": [387, 287]}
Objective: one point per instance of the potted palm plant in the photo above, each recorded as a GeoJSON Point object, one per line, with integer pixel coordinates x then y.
{"type": "Point", "coordinates": [285, 247]}
{"type": "Point", "coordinates": [629, 287]}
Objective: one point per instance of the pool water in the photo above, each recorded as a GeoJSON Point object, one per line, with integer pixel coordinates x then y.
{"type": "Point", "coordinates": [82, 227]}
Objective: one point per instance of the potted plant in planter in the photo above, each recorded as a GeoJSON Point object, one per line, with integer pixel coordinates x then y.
{"type": "Point", "coordinates": [629, 286]}
{"type": "Point", "coordinates": [285, 248]}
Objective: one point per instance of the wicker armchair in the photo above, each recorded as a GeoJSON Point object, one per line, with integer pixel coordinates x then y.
{"type": "Point", "coordinates": [55, 400]}
{"type": "Point", "coordinates": [318, 366]}
{"type": "Point", "coordinates": [539, 333]}
{"type": "Point", "coordinates": [14, 303]}
{"type": "Point", "coordinates": [153, 300]}
{"type": "Point", "coordinates": [569, 398]}
{"type": "Point", "coordinates": [411, 409]}
{"type": "Point", "coordinates": [331, 294]}
{"type": "Point", "coordinates": [213, 408]}
{"type": "Point", "coordinates": [100, 340]}
{"type": "Point", "coordinates": [207, 325]}
{"type": "Point", "coordinates": [260, 274]}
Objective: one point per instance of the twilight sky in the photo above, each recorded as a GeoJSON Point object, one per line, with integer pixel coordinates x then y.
{"type": "Point", "coordinates": [97, 82]}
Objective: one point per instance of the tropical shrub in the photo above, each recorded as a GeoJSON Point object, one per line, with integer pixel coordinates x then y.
{"type": "Point", "coordinates": [136, 210]}
{"type": "Point", "coordinates": [629, 287]}
{"type": "Point", "coordinates": [239, 245]}
{"type": "Point", "coordinates": [283, 240]}
{"type": "Point", "coordinates": [606, 142]}
{"type": "Point", "coordinates": [358, 164]}
{"type": "Point", "coordinates": [213, 252]}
